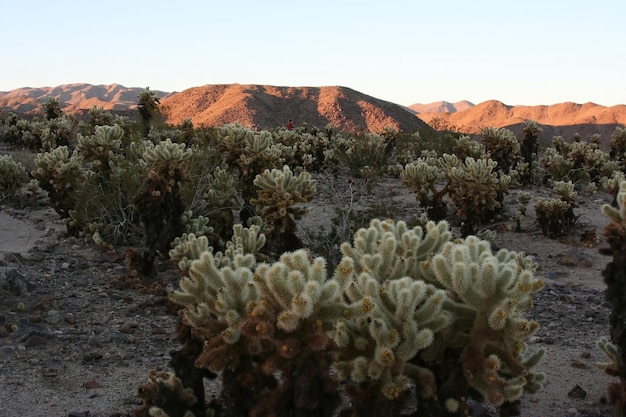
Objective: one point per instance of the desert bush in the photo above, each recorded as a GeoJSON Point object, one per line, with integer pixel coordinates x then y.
{"type": "Point", "coordinates": [13, 177]}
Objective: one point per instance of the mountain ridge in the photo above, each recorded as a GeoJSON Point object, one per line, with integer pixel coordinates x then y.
{"type": "Point", "coordinates": [266, 106]}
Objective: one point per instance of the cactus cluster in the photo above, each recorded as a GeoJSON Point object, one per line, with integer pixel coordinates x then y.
{"type": "Point", "coordinates": [556, 215]}
{"type": "Point", "coordinates": [158, 203]}
{"type": "Point", "coordinates": [401, 303]}
{"type": "Point", "coordinates": [474, 186]}
{"type": "Point", "coordinates": [503, 147]}
{"type": "Point", "coordinates": [278, 194]}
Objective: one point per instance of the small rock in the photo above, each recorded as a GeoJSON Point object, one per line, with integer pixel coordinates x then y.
{"type": "Point", "coordinates": [53, 317]}
{"type": "Point", "coordinates": [91, 384]}
{"type": "Point", "coordinates": [35, 318]}
{"type": "Point", "coordinates": [577, 392]}
{"type": "Point", "coordinates": [128, 327]}
{"type": "Point", "coordinates": [34, 340]}
{"type": "Point", "coordinates": [575, 257]}
{"type": "Point", "coordinates": [78, 414]}
{"type": "Point", "coordinates": [585, 355]}
{"type": "Point", "coordinates": [7, 351]}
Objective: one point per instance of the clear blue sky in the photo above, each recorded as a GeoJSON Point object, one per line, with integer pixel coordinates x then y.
{"type": "Point", "coordinates": [519, 52]}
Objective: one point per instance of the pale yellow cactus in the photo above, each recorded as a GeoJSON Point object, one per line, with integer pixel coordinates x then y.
{"type": "Point", "coordinates": [279, 192]}
{"type": "Point", "coordinates": [497, 289]}
{"type": "Point", "coordinates": [617, 214]}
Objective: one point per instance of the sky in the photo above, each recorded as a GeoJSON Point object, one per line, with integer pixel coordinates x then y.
{"type": "Point", "coordinates": [527, 52]}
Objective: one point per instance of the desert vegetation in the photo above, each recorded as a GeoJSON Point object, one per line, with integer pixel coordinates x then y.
{"type": "Point", "coordinates": [377, 316]}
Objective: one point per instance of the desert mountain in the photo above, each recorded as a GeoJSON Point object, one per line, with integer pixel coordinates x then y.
{"type": "Point", "coordinates": [73, 98]}
{"type": "Point", "coordinates": [257, 106]}
{"type": "Point", "coordinates": [564, 119]}
{"type": "Point", "coordinates": [264, 106]}
{"type": "Point", "coordinates": [441, 107]}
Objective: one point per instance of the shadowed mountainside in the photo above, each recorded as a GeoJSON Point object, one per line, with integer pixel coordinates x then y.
{"type": "Point", "coordinates": [264, 106]}
{"type": "Point", "coordinates": [73, 98]}
{"type": "Point", "coordinates": [563, 119]}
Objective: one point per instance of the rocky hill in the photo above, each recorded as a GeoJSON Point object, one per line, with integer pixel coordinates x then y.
{"type": "Point", "coordinates": [264, 106]}
{"type": "Point", "coordinates": [564, 119]}
{"type": "Point", "coordinates": [256, 106]}
{"type": "Point", "coordinates": [73, 98]}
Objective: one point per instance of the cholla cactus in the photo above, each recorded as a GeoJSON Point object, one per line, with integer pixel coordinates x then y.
{"type": "Point", "coordinates": [60, 173]}
{"type": "Point", "coordinates": [158, 202]}
{"type": "Point", "coordinates": [491, 292]}
{"type": "Point", "coordinates": [251, 152]}
{"type": "Point", "coordinates": [615, 279]}
{"type": "Point", "coordinates": [503, 147]}
{"type": "Point", "coordinates": [529, 148]}
{"type": "Point", "coordinates": [12, 177]}
{"type": "Point", "coordinates": [618, 145]}
{"type": "Point", "coordinates": [302, 149]}
{"type": "Point", "coordinates": [358, 152]}
{"type": "Point", "coordinates": [430, 183]}
{"type": "Point", "coordinates": [465, 146]}
{"type": "Point", "coordinates": [57, 132]}
{"type": "Point", "coordinates": [391, 316]}
{"type": "Point", "coordinates": [611, 184]}
{"type": "Point", "coordinates": [557, 164]}
{"type": "Point", "coordinates": [477, 191]}
{"type": "Point", "coordinates": [556, 215]}
{"type": "Point", "coordinates": [101, 146]}
{"type": "Point", "coordinates": [524, 198]}
{"type": "Point", "coordinates": [279, 191]}
{"type": "Point", "coordinates": [404, 308]}
{"type": "Point", "coordinates": [164, 395]}
{"type": "Point", "coordinates": [257, 323]}
{"type": "Point", "coordinates": [220, 200]}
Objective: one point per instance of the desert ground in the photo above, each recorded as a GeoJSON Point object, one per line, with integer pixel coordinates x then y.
{"type": "Point", "coordinates": [73, 344]}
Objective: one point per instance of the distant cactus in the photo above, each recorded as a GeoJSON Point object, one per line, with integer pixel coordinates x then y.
{"type": "Point", "coordinates": [503, 147]}
{"type": "Point", "coordinates": [430, 183]}
{"type": "Point", "coordinates": [477, 191]}
{"type": "Point", "coordinates": [556, 215]}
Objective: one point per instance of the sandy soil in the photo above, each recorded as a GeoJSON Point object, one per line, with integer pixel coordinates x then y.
{"type": "Point", "coordinates": [73, 345]}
